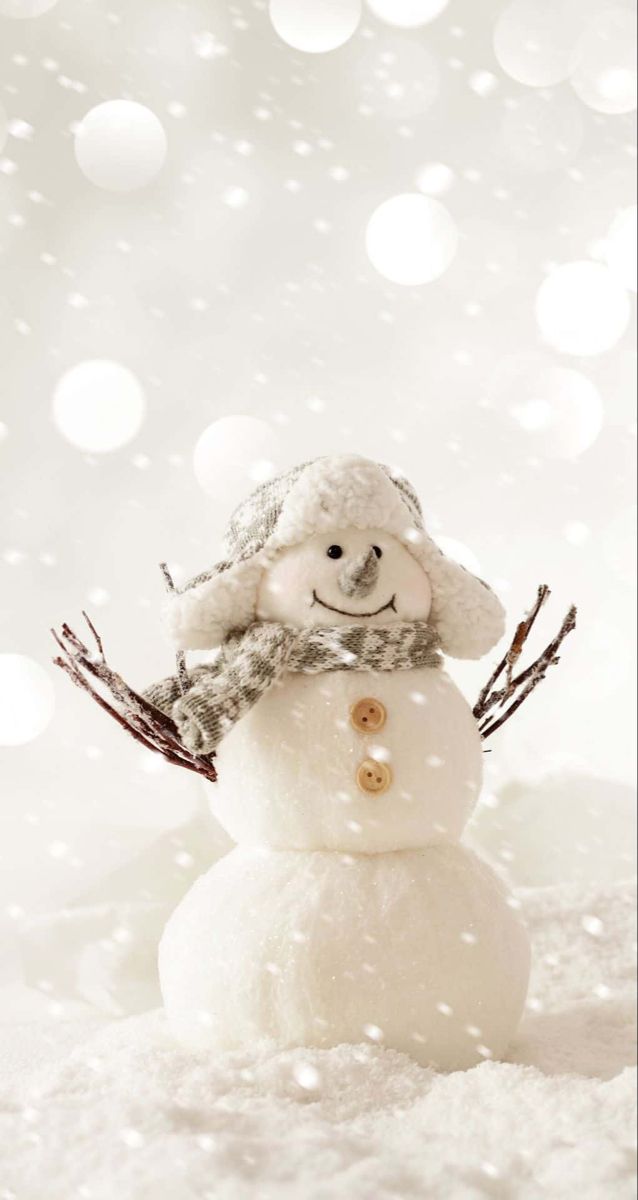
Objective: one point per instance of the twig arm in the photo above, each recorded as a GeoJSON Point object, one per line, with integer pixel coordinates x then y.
{"type": "Point", "coordinates": [148, 725]}
{"type": "Point", "coordinates": [513, 652]}
{"type": "Point", "coordinates": [517, 688]}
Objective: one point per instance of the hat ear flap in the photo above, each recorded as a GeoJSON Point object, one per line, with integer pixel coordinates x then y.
{"type": "Point", "coordinates": [200, 616]}
{"type": "Point", "coordinates": [467, 614]}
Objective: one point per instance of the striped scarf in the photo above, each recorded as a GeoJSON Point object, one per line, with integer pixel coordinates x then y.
{"type": "Point", "coordinates": [249, 663]}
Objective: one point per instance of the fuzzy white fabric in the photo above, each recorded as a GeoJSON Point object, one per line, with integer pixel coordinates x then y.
{"type": "Point", "coordinates": [125, 1112]}
{"type": "Point", "coordinates": [200, 617]}
{"type": "Point", "coordinates": [287, 769]}
{"type": "Point", "coordinates": [303, 580]}
{"type": "Point", "coordinates": [337, 493]}
{"type": "Point", "coordinates": [341, 492]}
{"type": "Point", "coordinates": [417, 948]}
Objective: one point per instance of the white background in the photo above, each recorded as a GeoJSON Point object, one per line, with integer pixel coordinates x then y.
{"type": "Point", "coordinates": [237, 282]}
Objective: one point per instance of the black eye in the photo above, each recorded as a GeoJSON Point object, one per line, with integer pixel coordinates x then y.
{"type": "Point", "coordinates": [378, 551]}
{"type": "Point", "coordinates": [334, 551]}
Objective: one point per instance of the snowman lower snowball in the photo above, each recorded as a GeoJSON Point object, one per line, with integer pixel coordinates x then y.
{"type": "Point", "coordinates": [348, 766]}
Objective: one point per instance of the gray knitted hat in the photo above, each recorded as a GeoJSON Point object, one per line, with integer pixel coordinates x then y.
{"type": "Point", "coordinates": [339, 492]}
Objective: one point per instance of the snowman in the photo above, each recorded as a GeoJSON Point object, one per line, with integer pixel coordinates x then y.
{"type": "Point", "coordinates": [348, 766]}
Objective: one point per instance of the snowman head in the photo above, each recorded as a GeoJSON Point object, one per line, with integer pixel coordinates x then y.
{"type": "Point", "coordinates": [335, 541]}
{"type": "Point", "coordinates": [344, 576]}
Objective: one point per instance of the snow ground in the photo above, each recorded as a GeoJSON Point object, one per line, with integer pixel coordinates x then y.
{"type": "Point", "coordinates": [95, 1109]}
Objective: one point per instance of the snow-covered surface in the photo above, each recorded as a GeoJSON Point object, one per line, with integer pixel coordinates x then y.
{"type": "Point", "coordinates": [94, 1109]}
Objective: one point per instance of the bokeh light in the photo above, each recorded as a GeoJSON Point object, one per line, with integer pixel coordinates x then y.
{"type": "Point", "coordinates": [559, 409]}
{"type": "Point", "coordinates": [22, 9]}
{"type": "Point", "coordinates": [27, 699]}
{"type": "Point", "coordinates": [315, 26]}
{"type": "Point", "coordinates": [619, 249]}
{"type": "Point", "coordinates": [233, 455]}
{"type": "Point", "coordinates": [581, 308]}
{"type": "Point", "coordinates": [407, 14]}
{"type": "Point", "coordinates": [411, 239]}
{"type": "Point", "coordinates": [534, 40]}
{"type": "Point", "coordinates": [120, 145]}
{"type": "Point", "coordinates": [98, 405]}
{"type": "Point", "coordinates": [604, 63]}
{"type": "Point", "coordinates": [397, 77]}
{"type": "Point", "coordinates": [435, 178]}
{"type": "Point", "coordinates": [542, 132]}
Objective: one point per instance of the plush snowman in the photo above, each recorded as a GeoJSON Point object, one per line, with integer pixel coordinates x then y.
{"type": "Point", "coordinates": [348, 766]}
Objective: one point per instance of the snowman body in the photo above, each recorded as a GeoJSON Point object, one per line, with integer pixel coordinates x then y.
{"type": "Point", "coordinates": [347, 912]}
{"type": "Point", "coordinates": [295, 761]}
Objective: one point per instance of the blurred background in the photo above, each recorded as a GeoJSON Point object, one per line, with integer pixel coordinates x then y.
{"type": "Point", "coordinates": [234, 236]}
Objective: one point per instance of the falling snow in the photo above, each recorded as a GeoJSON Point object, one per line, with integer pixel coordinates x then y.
{"type": "Point", "coordinates": [231, 240]}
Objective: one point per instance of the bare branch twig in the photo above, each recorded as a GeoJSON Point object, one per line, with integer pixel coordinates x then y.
{"type": "Point", "coordinates": [543, 593]}
{"type": "Point", "coordinates": [98, 639]}
{"type": "Point", "coordinates": [144, 722]}
{"type": "Point", "coordinates": [180, 657]}
{"type": "Point", "coordinates": [518, 687]}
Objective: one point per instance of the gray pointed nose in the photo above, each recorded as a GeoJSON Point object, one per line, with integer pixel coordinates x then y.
{"type": "Point", "coordinates": [359, 577]}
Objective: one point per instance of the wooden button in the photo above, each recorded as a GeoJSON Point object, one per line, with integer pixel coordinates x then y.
{"type": "Point", "coordinates": [368, 715]}
{"type": "Point", "coordinates": [373, 777]}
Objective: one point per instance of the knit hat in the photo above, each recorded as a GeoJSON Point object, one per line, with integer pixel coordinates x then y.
{"type": "Point", "coordinates": [339, 492]}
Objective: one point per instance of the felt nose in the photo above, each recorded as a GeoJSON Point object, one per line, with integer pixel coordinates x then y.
{"type": "Point", "coordinates": [359, 577]}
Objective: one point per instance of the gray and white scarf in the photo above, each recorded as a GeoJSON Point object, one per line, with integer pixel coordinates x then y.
{"type": "Point", "coordinates": [249, 663]}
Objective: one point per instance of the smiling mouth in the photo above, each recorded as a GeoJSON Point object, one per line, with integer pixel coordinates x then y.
{"type": "Point", "coordinates": [344, 613]}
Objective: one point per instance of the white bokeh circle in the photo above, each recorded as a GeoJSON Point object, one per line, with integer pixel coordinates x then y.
{"type": "Point", "coordinates": [411, 239]}
{"type": "Point", "coordinates": [534, 41]}
{"type": "Point", "coordinates": [315, 26]}
{"type": "Point", "coordinates": [604, 63]}
{"type": "Point", "coordinates": [120, 145]}
{"type": "Point", "coordinates": [620, 250]}
{"type": "Point", "coordinates": [233, 455]}
{"type": "Point", "coordinates": [435, 178]}
{"type": "Point", "coordinates": [23, 9]}
{"type": "Point", "coordinates": [99, 405]}
{"type": "Point", "coordinates": [27, 699]}
{"type": "Point", "coordinates": [559, 409]}
{"type": "Point", "coordinates": [4, 127]}
{"type": "Point", "coordinates": [407, 14]}
{"type": "Point", "coordinates": [582, 309]}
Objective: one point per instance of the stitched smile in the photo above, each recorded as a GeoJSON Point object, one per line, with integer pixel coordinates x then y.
{"type": "Point", "coordinates": [344, 613]}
